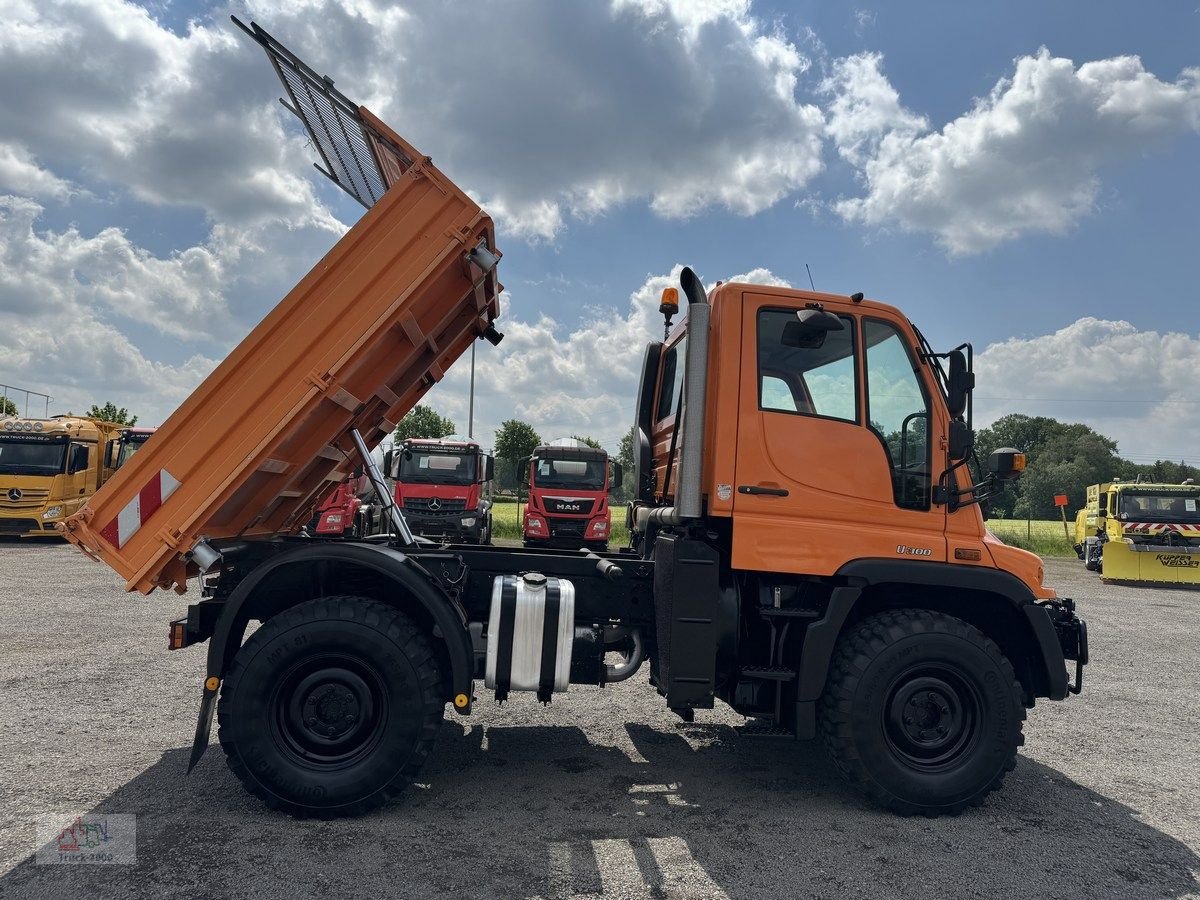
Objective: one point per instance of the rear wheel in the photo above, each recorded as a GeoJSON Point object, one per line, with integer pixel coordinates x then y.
{"type": "Point", "coordinates": [922, 711]}
{"type": "Point", "coordinates": [331, 707]}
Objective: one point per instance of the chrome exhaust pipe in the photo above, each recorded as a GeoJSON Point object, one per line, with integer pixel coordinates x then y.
{"type": "Point", "coordinates": [689, 499]}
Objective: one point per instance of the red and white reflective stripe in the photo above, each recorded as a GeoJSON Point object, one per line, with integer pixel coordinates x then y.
{"type": "Point", "coordinates": [1156, 527]}
{"type": "Point", "coordinates": [139, 509]}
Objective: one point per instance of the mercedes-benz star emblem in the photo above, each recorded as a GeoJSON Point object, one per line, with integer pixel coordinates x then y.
{"type": "Point", "coordinates": [435, 504]}
{"type": "Point", "coordinates": [14, 494]}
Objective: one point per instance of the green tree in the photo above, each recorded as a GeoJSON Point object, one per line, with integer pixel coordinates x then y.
{"type": "Point", "coordinates": [514, 441]}
{"type": "Point", "coordinates": [110, 413]}
{"type": "Point", "coordinates": [1062, 458]}
{"type": "Point", "coordinates": [424, 422]}
{"type": "Point", "coordinates": [625, 456]}
{"type": "Point", "coordinates": [7, 407]}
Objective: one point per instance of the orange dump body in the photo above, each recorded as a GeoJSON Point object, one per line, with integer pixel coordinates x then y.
{"type": "Point", "coordinates": [354, 345]}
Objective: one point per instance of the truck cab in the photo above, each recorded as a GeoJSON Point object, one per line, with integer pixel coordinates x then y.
{"type": "Point", "coordinates": [120, 449]}
{"type": "Point", "coordinates": [569, 483]}
{"type": "Point", "coordinates": [444, 489]}
{"type": "Point", "coordinates": [48, 470]}
{"type": "Point", "coordinates": [341, 514]}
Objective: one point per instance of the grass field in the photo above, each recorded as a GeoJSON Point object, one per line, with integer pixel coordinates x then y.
{"type": "Point", "coordinates": [1044, 537]}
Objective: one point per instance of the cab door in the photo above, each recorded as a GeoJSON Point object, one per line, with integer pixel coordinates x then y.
{"type": "Point", "coordinates": [834, 457]}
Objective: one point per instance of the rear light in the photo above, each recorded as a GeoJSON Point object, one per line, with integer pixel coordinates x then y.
{"type": "Point", "coordinates": [178, 636]}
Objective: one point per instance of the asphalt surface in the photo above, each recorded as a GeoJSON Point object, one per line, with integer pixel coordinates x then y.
{"type": "Point", "coordinates": [602, 794]}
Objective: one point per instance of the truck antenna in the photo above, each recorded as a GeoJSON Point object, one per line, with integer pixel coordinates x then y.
{"type": "Point", "coordinates": [810, 278]}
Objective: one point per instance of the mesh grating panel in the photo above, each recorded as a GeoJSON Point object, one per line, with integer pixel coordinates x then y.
{"type": "Point", "coordinates": [348, 146]}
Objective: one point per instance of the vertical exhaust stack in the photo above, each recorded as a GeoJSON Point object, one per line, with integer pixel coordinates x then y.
{"type": "Point", "coordinates": [688, 494]}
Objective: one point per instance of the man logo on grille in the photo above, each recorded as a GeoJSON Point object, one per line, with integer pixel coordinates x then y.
{"type": "Point", "coordinates": [14, 494]}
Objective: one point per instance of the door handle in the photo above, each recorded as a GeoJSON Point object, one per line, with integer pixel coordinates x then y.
{"type": "Point", "coordinates": [758, 489]}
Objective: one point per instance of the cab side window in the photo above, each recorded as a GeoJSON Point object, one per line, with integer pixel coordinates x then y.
{"type": "Point", "coordinates": [672, 379]}
{"type": "Point", "coordinates": [898, 412]}
{"type": "Point", "coordinates": [808, 381]}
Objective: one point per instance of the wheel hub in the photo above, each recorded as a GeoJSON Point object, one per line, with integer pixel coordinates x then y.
{"type": "Point", "coordinates": [329, 711]}
{"type": "Point", "coordinates": [930, 719]}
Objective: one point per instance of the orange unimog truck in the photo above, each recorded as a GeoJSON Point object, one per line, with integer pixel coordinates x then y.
{"type": "Point", "coordinates": [809, 548]}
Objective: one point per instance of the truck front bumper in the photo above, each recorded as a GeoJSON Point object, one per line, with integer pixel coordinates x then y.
{"type": "Point", "coordinates": [449, 528]}
{"type": "Point", "coordinates": [1071, 632]}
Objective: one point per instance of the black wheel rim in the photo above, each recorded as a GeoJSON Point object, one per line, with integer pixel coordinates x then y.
{"type": "Point", "coordinates": [329, 711]}
{"type": "Point", "coordinates": [931, 718]}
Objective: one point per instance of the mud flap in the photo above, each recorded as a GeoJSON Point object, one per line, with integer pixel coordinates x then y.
{"type": "Point", "coordinates": [208, 705]}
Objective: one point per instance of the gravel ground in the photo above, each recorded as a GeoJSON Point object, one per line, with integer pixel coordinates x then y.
{"type": "Point", "coordinates": [599, 795]}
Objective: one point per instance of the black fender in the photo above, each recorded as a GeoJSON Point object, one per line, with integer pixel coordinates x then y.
{"type": "Point", "coordinates": [447, 615]}
{"type": "Point", "coordinates": [821, 637]}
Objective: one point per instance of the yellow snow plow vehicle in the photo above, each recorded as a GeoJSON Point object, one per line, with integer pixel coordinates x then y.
{"type": "Point", "coordinates": [1131, 531]}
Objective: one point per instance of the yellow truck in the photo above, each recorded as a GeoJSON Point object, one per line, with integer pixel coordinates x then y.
{"type": "Point", "coordinates": [48, 469]}
{"type": "Point", "coordinates": [1136, 531]}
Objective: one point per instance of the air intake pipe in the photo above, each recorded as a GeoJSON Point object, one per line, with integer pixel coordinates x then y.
{"type": "Point", "coordinates": [688, 500]}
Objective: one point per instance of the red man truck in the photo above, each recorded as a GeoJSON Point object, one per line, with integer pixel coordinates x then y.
{"type": "Point", "coordinates": [568, 496]}
{"type": "Point", "coordinates": [443, 487]}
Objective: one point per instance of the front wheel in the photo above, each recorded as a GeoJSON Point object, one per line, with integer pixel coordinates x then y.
{"type": "Point", "coordinates": [922, 711]}
{"type": "Point", "coordinates": [331, 707]}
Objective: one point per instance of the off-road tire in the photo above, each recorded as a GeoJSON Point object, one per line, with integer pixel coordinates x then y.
{"type": "Point", "coordinates": [895, 679]}
{"type": "Point", "coordinates": [356, 670]}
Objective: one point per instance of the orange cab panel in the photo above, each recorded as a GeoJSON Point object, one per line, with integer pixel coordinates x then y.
{"type": "Point", "coordinates": [834, 459]}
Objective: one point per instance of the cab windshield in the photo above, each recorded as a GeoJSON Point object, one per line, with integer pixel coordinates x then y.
{"type": "Point", "coordinates": [437, 468]}
{"type": "Point", "coordinates": [32, 455]}
{"type": "Point", "coordinates": [1160, 506]}
{"type": "Point", "coordinates": [129, 446]}
{"type": "Point", "coordinates": [582, 474]}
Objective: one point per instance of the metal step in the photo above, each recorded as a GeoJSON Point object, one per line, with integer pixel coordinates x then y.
{"type": "Point", "coordinates": [785, 612]}
{"type": "Point", "coordinates": [769, 673]}
{"type": "Point", "coordinates": [752, 730]}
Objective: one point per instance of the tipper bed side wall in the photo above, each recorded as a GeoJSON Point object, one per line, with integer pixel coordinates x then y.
{"type": "Point", "coordinates": [354, 345]}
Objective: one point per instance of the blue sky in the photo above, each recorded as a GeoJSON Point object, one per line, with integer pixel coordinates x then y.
{"type": "Point", "coordinates": [1021, 176]}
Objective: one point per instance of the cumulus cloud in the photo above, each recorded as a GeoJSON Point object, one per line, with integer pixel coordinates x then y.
{"type": "Point", "coordinates": [1025, 159]}
{"type": "Point", "coordinates": [1137, 386]}
{"type": "Point", "coordinates": [63, 295]}
{"type": "Point", "coordinates": [100, 87]}
{"type": "Point", "coordinates": [19, 171]}
{"type": "Point", "coordinates": [580, 107]}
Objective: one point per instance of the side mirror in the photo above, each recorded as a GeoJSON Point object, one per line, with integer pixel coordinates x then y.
{"type": "Point", "coordinates": [960, 381]}
{"type": "Point", "coordinates": [78, 461]}
{"type": "Point", "coordinates": [110, 459]}
{"type": "Point", "coordinates": [523, 470]}
{"type": "Point", "coordinates": [962, 440]}
{"type": "Point", "coordinates": [489, 468]}
{"type": "Point", "coordinates": [809, 330]}
{"type": "Point", "coordinates": [618, 477]}
{"type": "Point", "coordinates": [1006, 464]}
{"type": "Point", "coordinates": [387, 464]}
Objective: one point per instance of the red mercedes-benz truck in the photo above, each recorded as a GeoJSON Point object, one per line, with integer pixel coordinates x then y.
{"type": "Point", "coordinates": [568, 496]}
{"type": "Point", "coordinates": [443, 487]}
